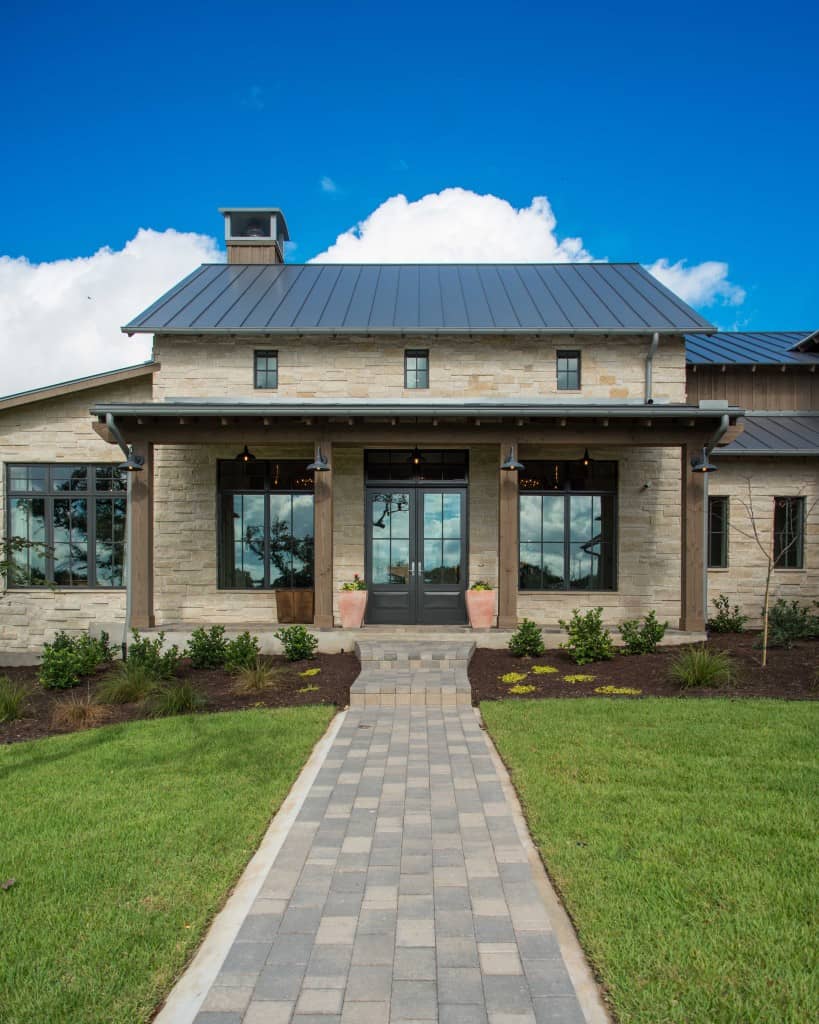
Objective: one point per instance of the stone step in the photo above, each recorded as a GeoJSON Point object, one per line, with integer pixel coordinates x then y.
{"type": "Point", "coordinates": [412, 674]}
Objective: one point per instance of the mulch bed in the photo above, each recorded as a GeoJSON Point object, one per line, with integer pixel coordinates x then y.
{"type": "Point", "coordinates": [332, 685]}
{"type": "Point", "coordinates": [789, 675]}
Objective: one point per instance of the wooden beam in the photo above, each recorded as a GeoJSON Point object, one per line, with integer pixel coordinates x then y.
{"type": "Point", "coordinates": [141, 535]}
{"type": "Point", "coordinates": [323, 543]}
{"type": "Point", "coordinates": [692, 543]}
{"type": "Point", "coordinates": [508, 556]}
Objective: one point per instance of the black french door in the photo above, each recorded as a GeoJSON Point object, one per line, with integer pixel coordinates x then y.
{"type": "Point", "coordinates": [417, 554]}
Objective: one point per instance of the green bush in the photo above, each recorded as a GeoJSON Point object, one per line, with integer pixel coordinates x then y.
{"type": "Point", "coordinates": [789, 621]}
{"type": "Point", "coordinates": [243, 652]}
{"type": "Point", "coordinates": [527, 640]}
{"type": "Point", "coordinates": [727, 619]}
{"type": "Point", "coordinates": [206, 647]}
{"type": "Point", "coordinates": [131, 681]}
{"type": "Point", "coordinates": [298, 643]}
{"type": "Point", "coordinates": [68, 658]}
{"type": "Point", "coordinates": [175, 699]}
{"type": "Point", "coordinates": [12, 699]}
{"type": "Point", "coordinates": [149, 654]}
{"type": "Point", "coordinates": [642, 639]}
{"type": "Point", "coordinates": [698, 667]}
{"type": "Point", "coordinates": [588, 639]}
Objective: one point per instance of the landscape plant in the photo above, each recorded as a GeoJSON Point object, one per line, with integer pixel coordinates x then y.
{"type": "Point", "coordinates": [12, 699]}
{"type": "Point", "coordinates": [727, 619]}
{"type": "Point", "coordinates": [207, 647]}
{"type": "Point", "coordinates": [696, 667]}
{"type": "Point", "coordinates": [67, 659]}
{"type": "Point", "coordinates": [159, 663]}
{"type": "Point", "coordinates": [789, 621]}
{"type": "Point", "coordinates": [79, 712]}
{"type": "Point", "coordinates": [356, 583]}
{"type": "Point", "coordinates": [298, 642]}
{"type": "Point", "coordinates": [175, 698]}
{"type": "Point", "coordinates": [131, 681]}
{"type": "Point", "coordinates": [588, 639]}
{"type": "Point", "coordinates": [480, 585]}
{"type": "Point", "coordinates": [642, 638]}
{"type": "Point", "coordinates": [527, 640]}
{"type": "Point", "coordinates": [254, 678]}
{"type": "Point", "coordinates": [241, 652]}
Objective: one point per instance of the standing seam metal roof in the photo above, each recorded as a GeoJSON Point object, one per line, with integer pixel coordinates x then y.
{"type": "Point", "coordinates": [755, 348]}
{"type": "Point", "coordinates": [776, 434]}
{"type": "Point", "coordinates": [425, 298]}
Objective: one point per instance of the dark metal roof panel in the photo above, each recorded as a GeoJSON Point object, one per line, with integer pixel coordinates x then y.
{"type": "Point", "coordinates": [780, 434]}
{"type": "Point", "coordinates": [757, 348]}
{"type": "Point", "coordinates": [473, 298]}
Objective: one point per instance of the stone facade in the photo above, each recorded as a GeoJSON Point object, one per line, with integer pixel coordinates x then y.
{"type": "Point", "coordinates": [57, 430]}
{"type": "Point", "coordinates": [613, 368]}
{"type": "Point", "coordinates": [743, 582]}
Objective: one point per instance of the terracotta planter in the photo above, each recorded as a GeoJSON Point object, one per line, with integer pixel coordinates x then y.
{"type": "Point", "coordinates": [480, 605]}
{"type": "Point", "coordinates": [351, 606]}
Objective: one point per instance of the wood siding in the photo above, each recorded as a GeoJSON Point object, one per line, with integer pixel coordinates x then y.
{"type": "Point", "coordinates": [767, 387]}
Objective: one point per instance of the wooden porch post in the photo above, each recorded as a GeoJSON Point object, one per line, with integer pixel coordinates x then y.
{"type": "Point", "coordinates": [692, 543]}
{"type": "Point", "coordinates": [507, 542]}
{"type": "Point", "coordinates": [141, 538]}
{"type": "Point", "coordinates": [323, 550]}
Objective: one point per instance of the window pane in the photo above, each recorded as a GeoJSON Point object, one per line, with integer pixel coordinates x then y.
{"type": "Point", "coordinates": [788, 532]}
{"type": "Point", "coordinates": [110, 541]}
{"type": "Point", "coordinates": [553, 510]}
{"type": "Point", "coordinates": [28, 523]}
{"type": "Point", "coordinates": [109, 478]}
{"type": "Point", "coordinates": [399, 561]}
{"type": "Point", "coordinates": [433, 561]}
{"type": "Point", "coordinates": [416, 368]}
{"type": "Point", "coordinates": [433, 515]}
{"type": "Point", "coordinates": [281, 540]}
{"type": "Point", "coordinates": [530, 518]}
{"type": "Point", "coordinates": [266, 369]}
{"type": "Point", "coordinates": [568, 371]}
{"type": "Point", "coordinates": [553, 573]}
{"type": "Point", "coordinates": [69, 478]}
{"type": "Point", "coordinates": [70, 527]}
{"type": "Point", "coordinates": [26, 478]}
{"type": "Point", "coordinates": [303, 544]}
{"type": "Point", "coordinates": [530, 576]}
{"type": "Point", "coordinates": [244, 552]}
{"type": "Point", "coordinates": [717, 532]}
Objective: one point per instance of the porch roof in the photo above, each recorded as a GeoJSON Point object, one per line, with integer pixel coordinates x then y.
{"type": "Point", "coordinates": [776, 433]}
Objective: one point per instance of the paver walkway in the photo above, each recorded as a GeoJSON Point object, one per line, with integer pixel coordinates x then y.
{"type": "Point", "coordinates": [402, 893]}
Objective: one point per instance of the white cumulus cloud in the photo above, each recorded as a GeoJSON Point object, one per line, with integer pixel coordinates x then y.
{"type": "Point", "coordinates": [62, 319]}
{"type": "Point", "coordinates": [327, 184]}
{"type": "Point", "coordinates": [704, 284]}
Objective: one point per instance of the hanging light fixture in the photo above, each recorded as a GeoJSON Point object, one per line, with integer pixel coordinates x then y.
{"type": "Point", "coordinates": [416, 458]}
{"type": "Point", "coordinates": [701, 463]}
{"type": "Point", "coordinates": [586, 461]}
{"type": "Point", "coordinates": [245, 456]}
{"type": "Point", "coordinates": [319, 464]}
{"type": "Point", "coordinates": [133, 463]}
{"type": "Point", "coordinates": [511, 464]}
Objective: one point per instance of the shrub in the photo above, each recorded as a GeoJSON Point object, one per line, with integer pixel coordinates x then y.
{"type": "Point", "coordinates": [68, 658]}
{"type": "Point", "coordinates": [243, 652]}
{"type": "Point", "coordinates": [642, 639]}
{"type": "Point", "coordinates": [789, 621]}
{"type": "Point", "coordinates": [75, 712]}
{"type": "Point", "coordinates": [252, 678]}
{"type": "Point", "coordinates": [697, 667]}
{"type": "Point", "coordinates": [175, 699]}
{"type": "Point", "coordinates": [149, 654]}
{"type": "Point", "coordinates": [588, 640]}
{"type": "Point", "coordinates": [298, 643]}
{"type": "Point", "coordinates": [727, 619]}
{"type": "Point", "coordinates": [206, 647]}
{"type": "Point", "coordinates": [527, 640]}
{"type": "Point", "coordinates": [512, 677]}
{"type": "Point", "coordinates": [131, 681]}
{"type": "Point", "coordinates": [12, 699]}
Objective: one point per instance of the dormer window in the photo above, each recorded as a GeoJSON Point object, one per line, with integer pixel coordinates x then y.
{"type": "Point", "coordinates": [568, 371]}
{"type": "Point", "coordinates": [265, 369]}
{"type": "Point", "coordinates": [416, 368]}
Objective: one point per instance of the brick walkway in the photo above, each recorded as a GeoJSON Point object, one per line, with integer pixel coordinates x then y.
{"type": "Point", "coordinates": [402, 893]}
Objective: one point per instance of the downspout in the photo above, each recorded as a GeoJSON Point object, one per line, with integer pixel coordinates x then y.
{"type": "Point", "coordinates": [652, 350]}
{"type": "Point", "coordinates": [127, 451]}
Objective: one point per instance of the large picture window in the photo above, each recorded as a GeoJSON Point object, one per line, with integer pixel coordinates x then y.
{"type": "Point", "coordinates": [568, 526]}
{"type": "Point", "coordinates": [789, 532]}
{"type": "Point", "coordinates": [75, 515]}
{"type": "Point", "coordinates": [266, 516]}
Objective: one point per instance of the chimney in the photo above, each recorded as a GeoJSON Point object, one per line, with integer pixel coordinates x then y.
{"type": "Point", "coordinates": [255, 234]}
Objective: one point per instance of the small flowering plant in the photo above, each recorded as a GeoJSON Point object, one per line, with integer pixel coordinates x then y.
{"type": "Point", "coordinates": [481, 585]}
{"type": "Point", "coordinates": [356, 583]}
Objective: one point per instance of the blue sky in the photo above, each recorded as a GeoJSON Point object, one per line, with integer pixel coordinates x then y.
{"type": "Point", "coordinates": [655, 131]}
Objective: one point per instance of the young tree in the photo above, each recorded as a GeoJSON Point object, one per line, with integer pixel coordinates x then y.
{"type": "Point", "coordinates": [763, 535]}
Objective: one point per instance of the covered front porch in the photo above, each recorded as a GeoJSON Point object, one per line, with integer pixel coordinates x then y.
{"type": "Point", "coordinates": [458, 518]}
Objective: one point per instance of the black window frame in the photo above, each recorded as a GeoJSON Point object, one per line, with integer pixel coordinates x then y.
{"type": "Point", "coordinates": [266, 470]}
{"type": "Point", "coordinates": [566, 476]}
{"type": "Point", "coordinates": [794, 555]}
{"type": "Point", "coordinates": [719, 534]}
{"type": "Point", "coordinates": [265, 354]}
{"type": "Point", "coordinates": [418, 375]}
{"type": "Point", "coordinates": [49, 493]}
{"type": "Point", "coordinates": [568, 354]}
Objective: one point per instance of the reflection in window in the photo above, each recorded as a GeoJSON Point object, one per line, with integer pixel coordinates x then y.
{"type": "Point", "coordinates": [718, 532]}
{"type": "Point", "coordinates": [77, 513]}
{"type": "Point", "coordinates": [567, 539]}
{"type": "Point", "coordinates": [442, 538]}
{"type": "Point", "coordinates": [416, 368]}
{"type": "Point", "coordinates": [789, 532]}
{"type": "Point", "coordinates": [390, 538]}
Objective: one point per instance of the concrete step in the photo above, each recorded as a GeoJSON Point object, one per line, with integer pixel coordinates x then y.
{"type": "Point", "coordinates": [412, 673]}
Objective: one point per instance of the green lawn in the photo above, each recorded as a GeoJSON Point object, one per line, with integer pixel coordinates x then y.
{"type": "Point", "coordinates": [123, 842]}
{"type": "Point", "coordinates": [681, 835]}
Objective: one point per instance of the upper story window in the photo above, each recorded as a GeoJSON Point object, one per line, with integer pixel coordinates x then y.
{"type": "Point", "coordinates": [789, 533]}
{"type": "Point", "coordinates": [568, 370]}
{"type": "Point", "coordinates": [74, 518]}
{"type": "Point", "coordinates": [718, 532]}
{"type": "Point", "coordinates": [265, 368]}
{"type": "Point", "coordinates": [416, 368]}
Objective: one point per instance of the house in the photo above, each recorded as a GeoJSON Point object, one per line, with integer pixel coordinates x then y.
{"type": "Point", "coordinates": [541, 427]}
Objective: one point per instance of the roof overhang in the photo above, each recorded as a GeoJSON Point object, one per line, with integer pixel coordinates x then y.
{"type": "Point", "coordinates": [407, 332]}
{"type": "Point", "coordinates": [71, 387]}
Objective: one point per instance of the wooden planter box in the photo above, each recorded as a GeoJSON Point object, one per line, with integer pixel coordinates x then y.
{"type": "Point", "coordinates": [294, 606]}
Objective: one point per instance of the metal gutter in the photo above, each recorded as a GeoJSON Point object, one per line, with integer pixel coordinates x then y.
{"type": "Point", "coordinates": [408, 332]}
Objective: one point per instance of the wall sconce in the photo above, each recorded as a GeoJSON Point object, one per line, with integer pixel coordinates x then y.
{"type": "Point", "coordinates": [701, 463]}
{"type": "Point", "coordinates": [319, 464]}
{"type": "Point", "coordinates": [511, 464]}
{"type": "Point", "coordinates": [586, 461]}
{"type": "Point", "coordinates": [245, 456]}
{"type": "Point", "coordinates": [133, 463]}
